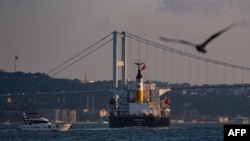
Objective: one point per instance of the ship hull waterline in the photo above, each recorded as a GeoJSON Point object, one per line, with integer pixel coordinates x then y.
{"type": "Point", "coordinates": [138, 121]}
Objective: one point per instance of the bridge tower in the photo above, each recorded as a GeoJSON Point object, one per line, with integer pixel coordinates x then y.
{"type": "Point", "coordinates": [119, 61]}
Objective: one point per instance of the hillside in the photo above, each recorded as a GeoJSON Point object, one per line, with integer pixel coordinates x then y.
{"type": "Point", "coordinates": [22, 92]}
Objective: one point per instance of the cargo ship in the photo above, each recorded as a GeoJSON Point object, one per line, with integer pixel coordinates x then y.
{"type": "Point", "coordinates": [139, 104]}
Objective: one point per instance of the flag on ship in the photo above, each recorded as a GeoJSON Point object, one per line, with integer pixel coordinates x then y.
{"type": "Point", "coordinates": [143, 67]}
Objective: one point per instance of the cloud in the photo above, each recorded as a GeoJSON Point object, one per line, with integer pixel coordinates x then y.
{"type": "Point", "coordinates": [205, 7]}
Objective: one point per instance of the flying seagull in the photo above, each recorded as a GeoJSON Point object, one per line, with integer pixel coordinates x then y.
{"type": "Point", "coordinates": [199, 47]}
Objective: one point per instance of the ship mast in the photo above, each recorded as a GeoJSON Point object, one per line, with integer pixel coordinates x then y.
{"type": "Point", "coordinates": [139, 82]}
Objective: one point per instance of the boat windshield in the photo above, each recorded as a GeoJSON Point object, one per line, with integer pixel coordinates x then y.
{"type": "Point", "coordinates": [34, 121]}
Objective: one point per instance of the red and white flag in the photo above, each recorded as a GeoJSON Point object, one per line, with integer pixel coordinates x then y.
{"type": "Point", "coordinates": [16, 57]}
{"type": "Point", "coordinates": [143, 67]}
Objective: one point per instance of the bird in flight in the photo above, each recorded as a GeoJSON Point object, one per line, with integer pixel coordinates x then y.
{"type": "Point", "coordinates": [199, 47]}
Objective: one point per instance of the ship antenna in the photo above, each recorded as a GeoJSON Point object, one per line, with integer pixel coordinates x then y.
{"type": "Point", "coordinates": [139, 63]}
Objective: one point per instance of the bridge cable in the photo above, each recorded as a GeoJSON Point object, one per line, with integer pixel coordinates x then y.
{"type": "Point", "coordinates": [190, 71]}
{"type": "Point", "coordinates": [172, 67]}
{"type": "Point", "coordinates": [82, 57]}
{"type": "Point", "coordinates": [198, 78]}
{"type": "Point", "coordinates": [34, 84]}
{"type": "Point", "coordinates": [130, 59]}
{"type": "Point", "coordinates": [78, 54]}
{"type": "Point", "coordinates": [184, 53]}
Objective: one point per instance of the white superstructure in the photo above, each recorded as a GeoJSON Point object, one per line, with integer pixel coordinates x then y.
{"type": "Point", "coordinates": [140, 99]}
{"type": "Point", "coordinates": [39, 123]}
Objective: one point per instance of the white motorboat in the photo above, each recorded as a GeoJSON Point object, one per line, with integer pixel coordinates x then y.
{"type": "Point", "coordinates": [240, 120]}
{"type": "Point", "coordinates": [35, 122]}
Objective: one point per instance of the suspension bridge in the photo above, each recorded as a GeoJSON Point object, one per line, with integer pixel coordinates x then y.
{"type": "Point", "coordinates": [164, 63]}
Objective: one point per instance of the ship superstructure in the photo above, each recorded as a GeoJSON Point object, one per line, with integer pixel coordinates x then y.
{"type": "Point", "coordinates": [139, 104]}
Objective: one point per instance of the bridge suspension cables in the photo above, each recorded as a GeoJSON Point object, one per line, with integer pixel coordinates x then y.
{"type": "Point", "coordinates": [94, 47]}
{"type": "Point", "coordinates": [188, 55]}
{"type": "Point", "coordinates": [76, 58]}
{"type": "Point", "coordinates": [184, 53]}
{"type": "Point", "coordinates": [108, 38]}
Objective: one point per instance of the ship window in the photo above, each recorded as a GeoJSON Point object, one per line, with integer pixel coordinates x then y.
{"type": "Point", "coordinates": [39, 121]}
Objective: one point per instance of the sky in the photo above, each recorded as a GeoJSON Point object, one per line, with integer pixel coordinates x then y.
{"type": "Point", "coordinates": [45, 33]}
